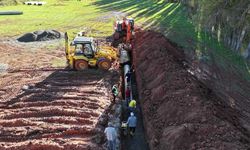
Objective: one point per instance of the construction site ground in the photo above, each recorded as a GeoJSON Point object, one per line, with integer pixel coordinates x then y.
{"type": "Point", "coordinates": [45, 106]}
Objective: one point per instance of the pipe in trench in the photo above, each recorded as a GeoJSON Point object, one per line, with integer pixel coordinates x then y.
{"type": "Point", "coordinates": [125, 60]}
{"type": "Point", "coordinates": [126, 69]}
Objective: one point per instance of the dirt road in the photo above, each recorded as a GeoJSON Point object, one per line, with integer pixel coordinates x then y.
{"type": "Point", "coordinates": [51, 109]}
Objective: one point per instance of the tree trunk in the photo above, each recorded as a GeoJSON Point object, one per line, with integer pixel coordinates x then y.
{"type": "Point", "coordinates": [241, 37]}
{"type": "Point", "coordinates": [248, 51]}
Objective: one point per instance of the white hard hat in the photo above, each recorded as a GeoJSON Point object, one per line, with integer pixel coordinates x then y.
{"type": "Point", "coordinates": [110, 124]}
{"type": "Point", "coordinates": [131, 114]}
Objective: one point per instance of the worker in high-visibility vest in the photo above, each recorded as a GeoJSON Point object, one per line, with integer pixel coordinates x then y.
{"type": "Point", "coordinates": [132, 106]}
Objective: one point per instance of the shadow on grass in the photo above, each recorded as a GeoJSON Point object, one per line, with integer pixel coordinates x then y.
{"type": "Point", "coordinates": [229, 72]}
{"type": "Point", "coordinates": [172, 20]}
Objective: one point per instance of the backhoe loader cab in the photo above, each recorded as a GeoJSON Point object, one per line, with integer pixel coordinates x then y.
{"type": "Point", "coordinates": [85, 46]}
{"type": "Point", "coordinates": [83, 52]}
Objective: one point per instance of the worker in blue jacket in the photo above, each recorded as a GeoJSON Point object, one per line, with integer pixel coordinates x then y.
{"type": "Point", "coordinates": [132, 123]}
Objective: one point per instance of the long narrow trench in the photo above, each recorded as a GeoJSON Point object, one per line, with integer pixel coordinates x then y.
{"type": "Point", "coordinates": [138, 141]}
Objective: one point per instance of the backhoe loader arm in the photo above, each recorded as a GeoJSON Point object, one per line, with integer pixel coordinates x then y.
{"type": "Point", "coordinates": [67, 46]}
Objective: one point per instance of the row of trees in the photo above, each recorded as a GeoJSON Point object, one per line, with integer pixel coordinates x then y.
{"type": "Point", "coordinates": [227, 20]}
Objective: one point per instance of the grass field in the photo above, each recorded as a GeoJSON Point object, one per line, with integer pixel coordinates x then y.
{"type": "Point", "coordinates": [10, 2]}
{"type": "Point", "coordinates": [97, 16]}
{"type": "Point", "coordinates": [64, 16]}
{"type": "Point", "coordinates": [171, 19]}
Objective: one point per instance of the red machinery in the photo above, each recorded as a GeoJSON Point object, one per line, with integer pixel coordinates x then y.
{"type": "Point", "coordinates": [124, 30]}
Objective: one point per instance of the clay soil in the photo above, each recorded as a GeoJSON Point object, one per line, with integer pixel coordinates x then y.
{"type": "Point", "coordinates": [179, 112]}
{"type": "Point", "coordinates": [50, 109]}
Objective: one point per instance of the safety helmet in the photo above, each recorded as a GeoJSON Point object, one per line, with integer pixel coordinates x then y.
{"type": "Point", "coordinates": [131, 114]}
{"type": "Point", "coordinates": [110, 124]}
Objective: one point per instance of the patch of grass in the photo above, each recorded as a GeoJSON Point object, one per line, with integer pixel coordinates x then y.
{"type": "Point", "coordinates": [171, 19]}
{"type": "Point", "coordinates": [95, 17]}
{"type": "Point", "coordinates": [60, 15]}
{"type": "Point", "coordinates": [10, 2]}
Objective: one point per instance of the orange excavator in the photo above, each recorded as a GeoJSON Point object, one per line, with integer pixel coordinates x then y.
{"type": "Point", "coordinates": [124, 30]}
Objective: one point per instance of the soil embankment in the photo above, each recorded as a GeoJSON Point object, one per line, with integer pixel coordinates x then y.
{"type": "Point", "coordinates": [179, 112]}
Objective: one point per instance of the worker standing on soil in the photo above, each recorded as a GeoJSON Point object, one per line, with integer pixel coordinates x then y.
{"type": "Point", "coordinates": [114, 92]}
{"type": "Point", "coordinates": [111, 136]}
{"type": "Point", "coordinates": [132, 123]}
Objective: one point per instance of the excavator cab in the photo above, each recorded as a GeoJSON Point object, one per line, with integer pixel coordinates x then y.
{"type": "Point", "coordinates": [124, 30]}
{"type": "Point", "coordinates": [131, 22]}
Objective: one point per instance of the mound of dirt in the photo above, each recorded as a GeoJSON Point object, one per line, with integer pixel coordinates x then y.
{"type": "Point", "coordinates": [180, 112]}
{"type": "Point", "coordinates": [42, 35]}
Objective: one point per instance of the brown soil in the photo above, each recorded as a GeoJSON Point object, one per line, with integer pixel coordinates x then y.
{"type": "Point", "coordinates": [180, 112]}
{"type": "Point", "coordinates": [50, 109]}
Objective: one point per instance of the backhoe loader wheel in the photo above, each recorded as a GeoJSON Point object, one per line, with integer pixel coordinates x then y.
{"type": "Point", "coordinates": [104, 64]}
{"type": "Point", "coordinates": [81, 65]}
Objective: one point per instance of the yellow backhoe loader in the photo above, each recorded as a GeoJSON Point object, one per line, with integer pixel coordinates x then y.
{"type": "Point", "coordinates": [83, 52]}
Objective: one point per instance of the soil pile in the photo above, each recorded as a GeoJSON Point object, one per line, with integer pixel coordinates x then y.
{"type": "Point", "coordinates": [179, 112]}
{"type": "Point", "coordinates": [43, 35]}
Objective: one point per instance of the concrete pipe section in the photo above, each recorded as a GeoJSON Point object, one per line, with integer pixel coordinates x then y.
{"type": "Point", "coordinates": [11, 12]}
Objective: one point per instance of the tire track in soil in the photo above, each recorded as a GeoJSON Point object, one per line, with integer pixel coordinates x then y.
{"type": "Point", "coordinates": [60, 112]}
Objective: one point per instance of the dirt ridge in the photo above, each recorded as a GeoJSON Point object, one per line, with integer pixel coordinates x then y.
{"type": "Point", "coordinates": [180, 112]}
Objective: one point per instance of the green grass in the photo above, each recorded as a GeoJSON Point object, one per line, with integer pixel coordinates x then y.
{"type": "Point", "coordinates": [10, 2]}
{"type": "Point", "coordinates": [96, 17]}
{"type": "Point", "coordinates": [171, 19]}
{"type": "Point", "coordinates": [64, 16]}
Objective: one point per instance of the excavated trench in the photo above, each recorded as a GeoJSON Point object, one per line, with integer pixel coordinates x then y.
{"type": "Point", "coordinates": [69, 110]}
{"type": "Point", "coordinates": [179, 112]}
